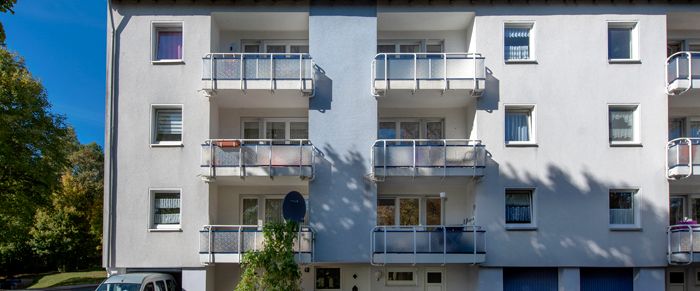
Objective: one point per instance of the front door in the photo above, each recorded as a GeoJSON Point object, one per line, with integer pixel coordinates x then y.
{"type": "Point", "coordinates": [676, 280]}
{"type": "Point", "coordinates": [434, 280]}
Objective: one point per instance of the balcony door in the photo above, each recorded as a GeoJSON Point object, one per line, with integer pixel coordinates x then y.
{"type": "Point", "coordinates": [409, 211]}
{"type": "Point", "coordinates": [434, 279]}
{"type": "Point", "coordinates": [684, 206]}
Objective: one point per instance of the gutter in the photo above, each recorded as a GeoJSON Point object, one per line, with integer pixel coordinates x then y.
{"type": "Point", "coordinates": [109, 190]}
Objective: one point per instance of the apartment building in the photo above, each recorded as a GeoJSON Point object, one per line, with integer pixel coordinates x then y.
{"type": "Point", "coordinates": [440, 145]}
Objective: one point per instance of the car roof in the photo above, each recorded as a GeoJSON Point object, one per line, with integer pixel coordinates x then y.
{"type": "Point", "coordinates": [137, 278]}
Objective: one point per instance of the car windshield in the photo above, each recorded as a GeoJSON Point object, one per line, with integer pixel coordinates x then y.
{"type": "Point", "coordinates": [119, 287]}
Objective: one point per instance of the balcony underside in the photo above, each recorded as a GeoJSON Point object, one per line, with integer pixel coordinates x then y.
{"type": "Point", "coordinates": [429, 171]}
{"type": "Point", "coordinates": [261, 171]}
{"type": "Point", "coordinates": [469, 86]}
{"type": "Point", "coordinates": [428, 258]}
{"type": "Point", "coordinates": [681, 85]}
{"type": "Point", "coordinates": [235, 258]}
{"type": "Point", "coordinates": [303, 86]}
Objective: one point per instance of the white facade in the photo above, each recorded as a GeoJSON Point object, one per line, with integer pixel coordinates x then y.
{"type": "Point", "coordinates": [507, 173]}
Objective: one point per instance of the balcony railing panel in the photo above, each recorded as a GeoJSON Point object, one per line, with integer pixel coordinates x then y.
{"type": "Point", "coordinates": [682, 157]}
{"type": "Point", "coordinates": [228, 66]}
{"type": "Point", "coordinates": [422, 240]}
{"type": "Point", "coordinates": [269, 153]}
{"type": "Point", "coordinates": [682, 67]}
{"type": "Point", "coordinates": [683, 244]}
{"type": "Point", "coordinates": [238, 239]}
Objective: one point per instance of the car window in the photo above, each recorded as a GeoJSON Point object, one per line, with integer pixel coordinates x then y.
{"type": "Point", "coordinates": [149, 287]}
{"type": "Point", "coordinates": [160, 286]}
{"type": "Point", "coordinates": [171, 285]}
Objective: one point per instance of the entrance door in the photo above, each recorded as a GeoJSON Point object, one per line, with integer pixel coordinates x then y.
{"type": "Point", "coordinates": [676, 281]}
{"type": "Point", "coordinates": [434, 280]}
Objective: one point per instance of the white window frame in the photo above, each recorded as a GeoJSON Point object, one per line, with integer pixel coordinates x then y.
{"type": "Point", "coordinates": [262, 123]}
{"type": "Point", "coordinates": [423, 125]}
{"type": "Point", "coordinates": [166, 25]}
{"type": "Point", "coordinates": [422, 207]}
{"type": "Point", "coordinates": [636, 205]}
{"type": "Point", "coordinates": [532, 124]}
{"type": "Point", "coordinates": [152, 227]}
{"type": "Point", "coordinates": [263, 43]}
{"type": "Point", "coordinates": [633, 25]}
{"type": "Point", "coordinates": [422, 44]}
{"type": "Point", "coordinates": [637, 139]}
{"type": "Point", "coordinates": [533, 210]}
{"type": "Point", "coordinates": [261, 206]}
{"type": "Point", "coordinates": [532, 53]}
{"type": "Point", "coordinates": [414, 282]}
{"type": "Point", "coordinates": [154, 131]}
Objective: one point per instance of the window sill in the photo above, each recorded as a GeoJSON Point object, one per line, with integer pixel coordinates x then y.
{"type": "Point", "coordinates": [626, 144]}
{"type": "Point", "coordinates": [176, 229]}
{"type": "Point", "coordinates": [168, 62]}
{"type": "Point", "coordinates": [521, 227]}
{"type": "Point", "coordinates": [624, 61]}
{"type": "Point", "coordinates": [167, 145]}
{"type": "Point", "coordinates": [524, 62]}
{"type": "Point", "coordinates": [625, 228]}
{"type": "Point", "coordinates": [521, 144]}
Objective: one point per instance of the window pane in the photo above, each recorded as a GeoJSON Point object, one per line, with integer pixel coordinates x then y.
{"type": "Point", "coordinates": [299, 130]}
{"type": "Point", "coordinates": [434, 130]}
{"type": "Point", "coordinates": [675, 128]}
{"type": "Point", "coordinates": [251, 48]}
{"type": "Point", "coordinates": [273, 210]}
{"type": "Point", "coordinates": [385, 211]}
{"type": "Point", "coordinates": [386, 48]}
{"type": "Point", "coordinates": [299, 49]}
{"type": "Point", "coordinates": [400, 276]}
{"type": "Point", "coordinates": [676, 210]}
{"type": "Point", "coordinates": [387, 130]}
{"type": "Point", "coordinates": [169, 125]}
{"type": "Point", "coordinates": [695, 209]}
{"type": "Point", "coordinates": [409, 48]}
{"type": "Point", "coordinates": [695, 129]}
{"type": "Point", "coordinates": [517, 125]}
{"type": "Point", "coordinates": [621, 124]}
{"type": "Point", "coordinates": [517, 43]}
{"type": "Point", "coordinates": [251, 130]}
{"type": "Point", "coordinates": [619, 43]}
{"type": "Point", "coordinates": [518, 206]}
{"type": "Point", "coordinates": [434, 48]}
{"type": "Point", "coordinates": [410, 130]}
{"type": "Point", "coordinates": [409, 209]}
{"type": "Point", "coordinates": [276, 49]}
{"type": "Point", "coordinates": [434, 278]}
{"type": "Point", "coordinates": [169, 45]}
{"type": "Point", "coordinates": [166, 208]}
{"type": "Point", "coordinates": [250, 211]}
{"type": "Point", "coordinates": [327, 278]}
{"type": "Point", "coordinates": [275, 130]}
{"type": "Point", "coordinates": [433, 214]}
{"type": "Point", "coordinates": [621, 207]}
{"type": "Point", "coordinates": [676, 277]}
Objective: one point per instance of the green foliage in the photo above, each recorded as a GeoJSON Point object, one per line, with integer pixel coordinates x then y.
{"type": "Point", "coordinates": [273, 268]}
{"type": "Point", "coordinates": [34, 148]}
{"type": "Point", "coordinates": [68, 233]}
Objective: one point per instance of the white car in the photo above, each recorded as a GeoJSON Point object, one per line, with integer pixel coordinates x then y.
{"type": "Point", "coordinates": [139, 282]}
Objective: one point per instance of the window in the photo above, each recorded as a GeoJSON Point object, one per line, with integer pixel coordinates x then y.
{"type": "Point", "coordinates": [165, 209]}
{"type": "Point", "coordinates": [275, 46]}
{"type": "Point", "coordinates": [251, 48]}
{"type": "Point", "coordinates": [400, 278]}
{"type": "Point", "coordinates": [519, 206]}
{"type": "Point", "coordinates": [519, 125]}
{"type": "Point", "coordinates": [275, 128]}
{"type": "Point", "coordinates": [676, 209]}
{"type": "Point", "coordinates": [676, 278]}
{"type": "Point", "coordinates": [167, 40]}
{"type": "Point", "coordinates": [676, 128]}
{"type": "Point", "coordinates": [410, 46]}
{"type": "Point", "coordinates": [167, 125]}
{"type": "Point", "coordinates": [541, 279]}
{"type": "Point", "coordinates": [622, 41]}
{"type": "Point", "coordinates": [409, 211]}
{"type": "Point", "coordinates": [273, 210]}
{"type": "Point", "coordinates": [262, 209]}
{"type": "Point", "coordinates": [250, 211]}
{"type": "Point", "coordinates": [433, 277]}
{"type": "Point", "coordinates": [328, 278]}
{"type": "Point", "coordinates": [622, 207]}
{"type": "Point", "coordinates": [518, 42]}
{"type": "Point", "coordinates": [623, 124]}
{"type": "Point", "coordinates": [410, 129]}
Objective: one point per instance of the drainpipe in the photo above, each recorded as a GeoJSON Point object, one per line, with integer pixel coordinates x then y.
{"type": "Point", "coordinates": [108, 233]}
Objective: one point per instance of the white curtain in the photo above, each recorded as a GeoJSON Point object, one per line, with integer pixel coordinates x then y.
{"type": "Point", "coordinates": [517, 126]}
{"type": "Point", "coordinates": [517, 43]}
{"type": "Point", "coordinates": [518, 208]}
{"type": "Point", "coordinates": [167, 208]}
{"type": "Point", "coordinates": [621, 125]}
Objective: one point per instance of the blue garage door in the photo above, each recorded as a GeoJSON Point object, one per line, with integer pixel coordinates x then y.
{"type": "Point", "coordinates": [606, 279]}
{"type": "Point", "coordinates": [530, 279]}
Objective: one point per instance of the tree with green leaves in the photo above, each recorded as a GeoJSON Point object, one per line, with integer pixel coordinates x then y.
{"type": "Point", "coordinates": [34, 148]}
{"type": "Point", "coordinates": [273, 268]}
{"type": "Point", "coordinates": [5, 6]}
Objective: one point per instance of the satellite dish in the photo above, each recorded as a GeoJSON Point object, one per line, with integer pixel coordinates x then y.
{"type": "Point", "coordinates": [294, 207]}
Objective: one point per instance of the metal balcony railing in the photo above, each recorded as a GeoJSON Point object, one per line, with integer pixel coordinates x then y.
{"type": "Point", "coordinates": [440, 155]}
{"type": "Point", "coordinates": [682, 69]}
{"type": "Point", "coordinates": [259, 153]}
{"type": "Point", "coordinates": [269, 67]}
{"type": "Point", "coordinates": [682, 156]}
{"type": "Point", "coordinates": [238, 239]}
{"type": "Point", "coordinates": [438, 240]}
{"type": "Point", "coordinates": [416, 67]}
{"type": "Point", "coordinates": [683, 243]}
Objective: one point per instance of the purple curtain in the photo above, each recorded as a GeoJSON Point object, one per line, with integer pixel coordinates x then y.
{"type": "Point", "coordinates": [169, 45]}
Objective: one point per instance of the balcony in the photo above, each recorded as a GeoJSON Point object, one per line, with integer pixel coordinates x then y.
{"type": "Point", "coordinates": [228, 243]}
{"type": "Point", "coordinates": [412, 72]}
{"type": "Point", "coordinates": [257, 158]}
{"type": "Point", "coordinates": [427, 245]}
{"type": "Point", "coordinates": [427, 158]}
{"type": "Point", "coordinates": [243, 72]}
{"type": "Point", "coordinates": [683, 244]}
{"type": "Point", "coordinates": [682, 72]}
{"type": "Point", "coordinates": [683, 158]}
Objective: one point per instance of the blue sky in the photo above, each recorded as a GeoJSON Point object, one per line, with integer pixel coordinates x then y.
{"type": "Point", "coordinates": [63, 43]}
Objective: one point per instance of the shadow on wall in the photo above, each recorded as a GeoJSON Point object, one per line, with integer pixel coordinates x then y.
{"type": "Point", "coordinates": [347, 207]}
{"type": "Point", "coordinates": [489, 100]}
{"type": "Point", "coordinates": [323, 95]}
{"type": "Point", "coordinates": [572, 217]}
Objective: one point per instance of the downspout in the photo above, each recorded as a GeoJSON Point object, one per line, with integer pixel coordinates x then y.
{"type": "Point", "coordinates": [110, 264]}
